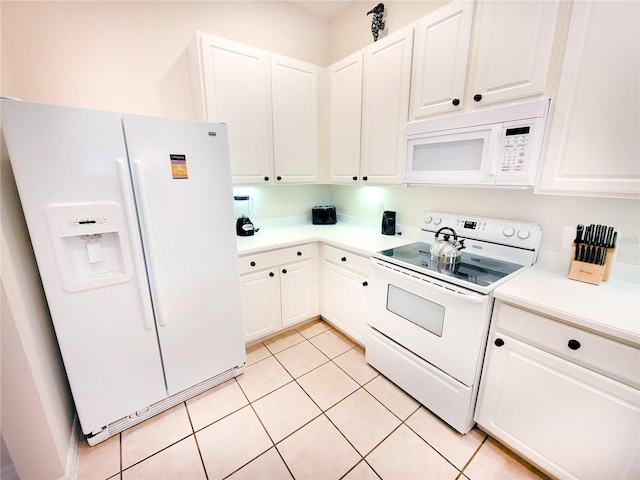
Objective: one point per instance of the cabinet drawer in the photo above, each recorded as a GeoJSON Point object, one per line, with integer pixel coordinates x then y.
{"type": "Point", "coordinates": [260, 261]}
{"type": "Point", "coordinates": [608, 357]}
{"type": "Point", "coordinates": [347, 260]}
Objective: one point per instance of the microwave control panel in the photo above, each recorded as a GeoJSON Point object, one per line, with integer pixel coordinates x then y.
{"type": "Point", "coordinates": [514, 151]}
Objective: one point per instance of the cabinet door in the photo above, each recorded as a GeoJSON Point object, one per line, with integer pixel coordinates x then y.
{"type": "Point", "coordinates": [440, 60]}
{"type": "Point", "coordinates": [237, 92]}
{"type": "Point", "coordinates": [299, 292]}
{"type": "Point", "coordinates": [295, 120]}
{"type": "Point", "coordinates": [261, 303]}
{"type": "Point", "coordinates": [385, 109]}
{"type": "Point", "coordinates": [593, 146]}
{"type": "Point", "coordinates": [345, 118]}
{"type": "Point", "coordinates": [514, 53]}
{"type": "Point", "coordinates": [344, 297]}
{"type": "Point", "coordinates": [570, 421]}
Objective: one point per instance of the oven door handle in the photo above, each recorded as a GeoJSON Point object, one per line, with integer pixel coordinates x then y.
{"type": "Point", "coordinates": [427, 283]}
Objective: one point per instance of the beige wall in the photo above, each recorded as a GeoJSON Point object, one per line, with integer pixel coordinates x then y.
{"type": "Point", "coordinates": [132, 56]}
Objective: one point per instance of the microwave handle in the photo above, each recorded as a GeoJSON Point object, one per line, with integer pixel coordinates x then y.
{"type": "Point", "coordinates": [493, 151]}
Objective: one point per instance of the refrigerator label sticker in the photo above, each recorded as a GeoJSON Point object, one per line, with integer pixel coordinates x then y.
{"type": "Point", "coordinates": [178, 166]}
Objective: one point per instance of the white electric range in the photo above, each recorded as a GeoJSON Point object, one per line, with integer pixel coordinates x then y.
{"type": "Point", "coordinates": [428, 321]}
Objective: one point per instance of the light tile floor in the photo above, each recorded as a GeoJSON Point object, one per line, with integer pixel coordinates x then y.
{"type": "Point", "coordinates": [307, 407]}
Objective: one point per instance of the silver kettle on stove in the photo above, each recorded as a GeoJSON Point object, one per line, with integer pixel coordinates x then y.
{"type": "Point", "coordinates": [446, 251]}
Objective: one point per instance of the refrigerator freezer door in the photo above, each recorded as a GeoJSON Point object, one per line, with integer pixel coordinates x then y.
{"type": "Point", "coordinates": [64, 163]}
{"type": "Point", "coordinates": [182, 180]}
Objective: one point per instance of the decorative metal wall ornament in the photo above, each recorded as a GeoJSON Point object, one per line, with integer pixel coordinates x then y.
{"type": "Point", "coordinates": [377, 24]}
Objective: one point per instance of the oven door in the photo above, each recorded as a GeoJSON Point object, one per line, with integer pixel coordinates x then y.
{"type": "Point", "coordinates": [443, 324]}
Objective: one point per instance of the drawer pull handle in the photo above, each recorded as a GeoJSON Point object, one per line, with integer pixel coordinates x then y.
{"type": "Point", "coordinates": [271, 274]}
{"type": "Point", "coordinates": [364, 284]}
{"type": "Point", "coordinates": [299, 254]}
{"type": "Point", "coordinates": [284, 270]}
{"type": "Point", "coordinates": [344, 259]}
{"type": "Point", "coordinates": [499, 342]}
{"type": "Point", "coordinates": [573, 344]}
{"type": "Point", "coordinates": [253, 264]}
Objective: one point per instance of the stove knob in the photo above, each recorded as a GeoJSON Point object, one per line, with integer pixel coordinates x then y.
{"type": "Point", "coordinates": [523, 234]}
{"type": "Point", "coordinates": [437, 221]}
{"type": "Point", "coordinates": [508, 232]}
{"type": "Point", "coordinates": [427, 219]}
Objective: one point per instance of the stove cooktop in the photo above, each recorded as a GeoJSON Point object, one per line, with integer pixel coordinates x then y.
{"type": "Point", "coordinates": [476, 270]}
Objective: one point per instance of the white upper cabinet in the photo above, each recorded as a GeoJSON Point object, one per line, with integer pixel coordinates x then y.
{"type": "Point", "coordinates": [345, 119]}
{"type": "Point", "coordinates": [514, 49]}
{"type": "Point", "coordinates": [440, 60]}
{"type": "Point", "coordinates": [231, 84]}
{"type": "Point", "coordinates": [385, 108]}
{"type": "Point", "coordinates": [593, 146]}
{"type": "Point", "coordinates": [295, 88]}
{"type": "Point", "coordinates": [269, 102]}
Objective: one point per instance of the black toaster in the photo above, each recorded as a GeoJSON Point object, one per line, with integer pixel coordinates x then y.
{"type": "Point", "coordinates": [324, 215]}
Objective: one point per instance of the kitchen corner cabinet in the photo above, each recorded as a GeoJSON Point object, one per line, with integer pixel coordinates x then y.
{"type": "Point", "coordinates": [294, 87]}
{"type": "Point", "coordinates": [269, 102]}
{"type": "Point", "coordinates": [345, 119]}
{"type": "Point", "coordinates": [385, 108]}
{"type": "Point", "coordinates": [279, 289]}
{"type": "Point", "coordinates": [345, 278]}
{"type": "Point", "coordinates": [368, 109]}
{"type": "Point", "coordinates": [593, 146]}
{"type": "Point", "coordinates": [566, 399]}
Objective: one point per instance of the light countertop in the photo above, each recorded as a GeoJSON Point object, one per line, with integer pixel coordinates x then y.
{"type": "Point", "coordinates": [362, 240]}
{"type": "Point", "coordinates": [611, 308]}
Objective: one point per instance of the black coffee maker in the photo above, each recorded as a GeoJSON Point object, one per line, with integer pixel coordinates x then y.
{"type": "Point", "coordinates": [243, 205]}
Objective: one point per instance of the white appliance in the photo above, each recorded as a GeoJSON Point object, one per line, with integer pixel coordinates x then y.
{"type": "Point", "coordinates": [132, 225]}
{"type": "Point", "coordinates": [428, 322]}
{"type": "Point", "coordinates": [499, 147]}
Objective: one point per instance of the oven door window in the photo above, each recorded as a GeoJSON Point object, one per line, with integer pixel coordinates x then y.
{"type": "Point", "coordinates": [417, 310]}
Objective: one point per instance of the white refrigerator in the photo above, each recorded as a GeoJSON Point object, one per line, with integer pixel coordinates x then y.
{"type": "Point", "coordinates": [132, 224]}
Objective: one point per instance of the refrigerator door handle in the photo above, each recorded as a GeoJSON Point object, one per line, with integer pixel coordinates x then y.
{"type": "Point", "coordinates": [148, 240]}
{"type": "Point", "coordinates": [132, 222]}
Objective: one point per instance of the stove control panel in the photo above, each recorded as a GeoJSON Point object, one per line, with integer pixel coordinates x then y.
{"type": "Point", "coordinates": [502, 231]}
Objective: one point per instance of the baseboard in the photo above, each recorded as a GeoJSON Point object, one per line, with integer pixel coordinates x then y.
{"type": "Point", "coordinates": [71, 470]}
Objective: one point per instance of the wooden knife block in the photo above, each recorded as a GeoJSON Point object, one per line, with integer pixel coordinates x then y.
{"type": "Point", "coordinates": [590, 272]}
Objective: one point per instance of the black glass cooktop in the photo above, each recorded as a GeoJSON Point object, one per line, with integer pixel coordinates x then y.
{"type": "Point", "coordinates": [475, 269]}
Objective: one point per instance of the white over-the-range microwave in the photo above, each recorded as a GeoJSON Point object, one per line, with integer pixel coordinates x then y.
{"type": "Point", "coordinates": [498, 147]}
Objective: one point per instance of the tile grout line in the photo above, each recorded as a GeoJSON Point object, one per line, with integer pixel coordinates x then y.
{"type": "Point", "coordinates": [195, 439]}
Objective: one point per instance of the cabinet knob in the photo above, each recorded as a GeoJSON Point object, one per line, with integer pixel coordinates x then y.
{"type": "Point", "coordinates": [271, 274]}
{"type": "Point", "coordinates": [344, 259]}
{"type": "Point", "coordinates": [573, 344]}
{"type": "Point", "coordinates": [456, 101]}
{"type": "Point", "coordinates": [284, 270]}
{"type": "Point", "coordinates": [253, 264]}
{"type": "Point", "coordinates": [355, 179]}
{"type": "Point", "coordinates": [266, 179]}
{"type": "Point", "coordinates": [365, 178]}
{"type": "Point", "coordinates": [477, 97]}
{"type": "Point", "coordinates": [364, 284]}
{"type": "Point", "coordinates": [278, 178]}
{"type": "Point", "coordinates": [299, 254]}
{"type": "Point", "coordinates": [498, 342]}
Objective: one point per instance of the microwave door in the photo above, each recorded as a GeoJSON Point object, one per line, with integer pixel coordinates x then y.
{"type": "Point", "coordinates": [454, 157]}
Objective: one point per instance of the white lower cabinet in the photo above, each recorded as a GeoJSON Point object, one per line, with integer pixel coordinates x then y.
{"type": "Point", "coordinates": [566, 399]}
{"type": "Point", "coordinates": [279, 288]}
{"type": "Point", "coordinates": [345, 278]}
